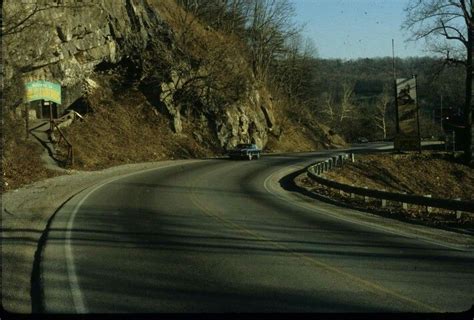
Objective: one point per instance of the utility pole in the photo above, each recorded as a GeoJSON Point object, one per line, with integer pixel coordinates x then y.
{"type": "Point", "coordinates": [417, 114]}
{"type": "Point", "coordinates": [397, 125]}
{"type": "Point", "coordinates": [468, 129]}
{"type": "Point", "coordinates": [441, 118]}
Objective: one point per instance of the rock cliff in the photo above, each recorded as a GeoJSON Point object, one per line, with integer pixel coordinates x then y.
{"type": "Point", "coordinates": [74, 42]}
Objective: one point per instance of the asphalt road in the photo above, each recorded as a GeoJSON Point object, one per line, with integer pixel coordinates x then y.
{"type": "Point", "coordinates": [224, 236]}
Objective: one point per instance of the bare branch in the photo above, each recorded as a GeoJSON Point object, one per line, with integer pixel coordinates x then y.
{"type": "Point", "coordinates": [459, 37]}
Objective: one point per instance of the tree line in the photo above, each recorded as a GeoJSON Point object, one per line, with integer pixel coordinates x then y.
{"type": "Point", "coordinates": [354, 97]}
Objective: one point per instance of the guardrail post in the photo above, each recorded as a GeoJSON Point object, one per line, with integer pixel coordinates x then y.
{"type": "Point", "coordinates": [428, 209]}
{"type": "Point", "coordinates": [404, 204]}
{"type": "Point", "coordinates": [341, 160]}
{"type": "Point", "coordinates": [458, 212]}
{"type": "Point", "coordinates": [460, 209]}
{"type": "Point", "coordinates": [384, 201]}
{"type": "Point", "coordinates": [329, 163]}
{"type": "Point", "coordinates": [352, 157]}
{"type": "Point", "coordinates": [334, 160]}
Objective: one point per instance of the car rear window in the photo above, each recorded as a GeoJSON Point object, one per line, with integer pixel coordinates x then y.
{"type": "Point", "coordinates": [242, 146]}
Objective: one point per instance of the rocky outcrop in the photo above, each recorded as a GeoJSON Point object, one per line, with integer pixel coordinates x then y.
{"type": "Point", "coordinates": [65, 41]}
{"type": "Point", "coordinates": [69, 41]}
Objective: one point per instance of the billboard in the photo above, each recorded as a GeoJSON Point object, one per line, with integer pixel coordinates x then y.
{"type": "Point", "coordinates": [43, 90]}
{"type": "Point", "coordinates": [408, 135]}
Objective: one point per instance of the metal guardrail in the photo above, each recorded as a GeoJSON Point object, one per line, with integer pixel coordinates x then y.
{"type": "Point", "coordinates": [314, 172]}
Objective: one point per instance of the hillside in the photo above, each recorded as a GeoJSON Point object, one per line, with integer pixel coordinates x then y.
{"type": "Point", "coordinates": [432, 173]}
{"type": "Point", "coordinates": [152, 82]}
{"type": "Point", "coordinates": [428, 173]}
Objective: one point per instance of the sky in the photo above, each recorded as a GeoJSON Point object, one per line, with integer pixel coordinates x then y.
{"type": "Point", "coordinates": [351, 29]}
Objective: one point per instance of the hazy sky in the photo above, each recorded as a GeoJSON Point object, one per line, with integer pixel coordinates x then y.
{"type": "Point", "coordinates": [350, 29]}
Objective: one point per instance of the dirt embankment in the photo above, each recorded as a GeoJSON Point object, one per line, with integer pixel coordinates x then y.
{"type": "Point", "coordinates": [422, 174]}
{"type": "Point", "coordinates": [428, 173]}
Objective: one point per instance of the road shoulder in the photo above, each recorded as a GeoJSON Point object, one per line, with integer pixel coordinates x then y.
{"type": "Point", "coordinates": [282, 184]}
{"type": "Point", "coordinates": [25, 215]}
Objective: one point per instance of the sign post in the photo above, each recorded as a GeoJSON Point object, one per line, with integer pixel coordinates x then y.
{"type": "Point", "coordinates": [27, 121]}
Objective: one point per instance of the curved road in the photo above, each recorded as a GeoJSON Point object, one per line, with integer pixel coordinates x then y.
{"type": "Point", "coordinates": [223, 236]}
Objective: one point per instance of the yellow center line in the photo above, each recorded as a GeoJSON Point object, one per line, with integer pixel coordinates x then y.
{"type": "Point", "coordinates": [367, 284]}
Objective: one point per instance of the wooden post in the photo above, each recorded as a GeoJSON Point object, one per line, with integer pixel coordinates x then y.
{"type": "Point", "coordinates": [458, 212]}
{"type": "Point", "coordinates": [404, 204]}
{"type": "Point", "coordinates": [27, 121]}
{"type": "Point", "coordinates": [417, 114]}
{"type": "Point", "coordinates": [454, 141]}
{"type": "Point", "coordinates": [428, 209]}
{"type": "Point", "coordinates": [50, 115]}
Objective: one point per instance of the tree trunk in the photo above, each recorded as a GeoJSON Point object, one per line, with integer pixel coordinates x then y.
{"type": "Point", "coordinates": [384, 128]}
{"type": "Point", "coordinates": [468, 149]}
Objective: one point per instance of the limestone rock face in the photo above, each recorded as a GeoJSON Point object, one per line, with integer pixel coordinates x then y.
{"type": "Point", "coordinates": [67, 41]}
{"type": "Point", "coordinates": [245, 123]}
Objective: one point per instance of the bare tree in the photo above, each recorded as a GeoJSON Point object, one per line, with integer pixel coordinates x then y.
{"type": "Point", "coordinates": [227, 15]}
{"type": "Point", "coordinates": [448, 28]}
{"type": "Point", "coordinates": [346, 108]}
{"type": "Point", "coordinates": [338, 109]}
{"type": "Point", "coordinates": [268, 26]}
{"type": "Point", "coordinates": [381, 107]}
{"type": "Point", "coordinates": [17, 18]}
{"type": "Point", "coordinates": [328, 109]}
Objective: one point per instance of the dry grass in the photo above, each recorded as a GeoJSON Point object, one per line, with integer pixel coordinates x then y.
{"type": "Point", "coordinates": [414, 213]}
{"type": "Point", "coordinates": [300, 132]}
{"type": "Point", "coordinates": [126, 128]}
{"type": "Point", "coordinates": [426, 173]}
{"type": "Point", "coordinates": [413, 173]}
{"type": "Point", "coordinates": [293, 140]}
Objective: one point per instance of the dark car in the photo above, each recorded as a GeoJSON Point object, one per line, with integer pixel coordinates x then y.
{"type": "Point", "coordinates": [362, 140]}
{"type": "Point", "coordinates": [245, 151]}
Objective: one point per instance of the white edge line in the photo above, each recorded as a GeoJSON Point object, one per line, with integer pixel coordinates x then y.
{"type": "Point", "coordinates": [367, 224]}
{"type": "Point", "coordinates": [77, 297]}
